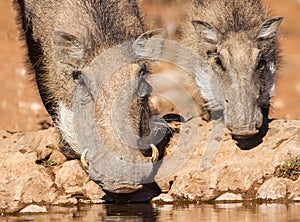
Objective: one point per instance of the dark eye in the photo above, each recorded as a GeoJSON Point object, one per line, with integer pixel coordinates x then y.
{"type": "Point", "coordinates": [218, 61]}
{"type": "Point", "coordinates": [261, 64]}
{"type": "Point", "coordinates": [211, 53]}
{"type": "Point", "coordinates": [76, 74]}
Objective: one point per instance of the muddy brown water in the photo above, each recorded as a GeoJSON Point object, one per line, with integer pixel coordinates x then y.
{"type": "Point", "coordinates": [146, 212]}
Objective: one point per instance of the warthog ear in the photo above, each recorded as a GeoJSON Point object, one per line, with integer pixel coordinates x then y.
{"type": "Point", "coordinates": [269, 28]}
{"type": "Point", "coordinates": [149, 46]}
{"type": "Point", "coordinates": [206, 31]}
{"type": "Point", "coordinates": [68, 48]}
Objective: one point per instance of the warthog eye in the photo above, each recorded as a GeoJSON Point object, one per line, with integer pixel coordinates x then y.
{"type": "Point", "coordinates": [76, 74]}
{"type": "Point", "coordinates": [261, 64]}
{"type": "Point", "coordinates": [211, 53]}
{"type": "Point", "coordinates": [218, 61]}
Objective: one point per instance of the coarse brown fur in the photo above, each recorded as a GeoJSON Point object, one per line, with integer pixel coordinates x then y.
{"type": "Point", "coordinates": [237, 38]}
{"type": "Point", "coordinates": [229, 16]}
{"type": "Point", "coordinates": [65, 39]}
{"type": "Point", "coordinates": [98, 26]}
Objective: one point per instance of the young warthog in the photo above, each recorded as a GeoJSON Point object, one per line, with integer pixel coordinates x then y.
{"type": "Point", "coordinates": [238, 39]}
{"type": "Point", "coordinates": [69, 46]}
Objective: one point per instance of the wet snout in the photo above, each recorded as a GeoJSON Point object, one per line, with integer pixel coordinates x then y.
{"type": "Point", "coordinates": [243, 123]}
{"type": "Point", "coordinates": [240, 133]}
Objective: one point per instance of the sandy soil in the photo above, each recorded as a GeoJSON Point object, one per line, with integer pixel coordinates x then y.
{"type": "Point", "coordinates": [22, 109]}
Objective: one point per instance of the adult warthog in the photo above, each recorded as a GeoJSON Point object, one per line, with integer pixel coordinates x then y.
{"type": "Point", "coordinates": [237, 38]}
{"type": "Point", "coordinates": [81, 54]}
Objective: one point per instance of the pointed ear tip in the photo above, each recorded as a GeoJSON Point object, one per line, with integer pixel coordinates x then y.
{"type": "Point", "coordinates": [276, 19]}
{"type": "Point", "coordinates": [279, 18]}
{"type": "Point", "coordinates": [201, 24]}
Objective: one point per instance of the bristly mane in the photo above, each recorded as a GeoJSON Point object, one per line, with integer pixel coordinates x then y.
{"type": "Point", "coordinates": [109, 25]}
{"type": "Point", "coordinates": [232, 15]}
{"type": "Point", "coordinates": [98, 24]}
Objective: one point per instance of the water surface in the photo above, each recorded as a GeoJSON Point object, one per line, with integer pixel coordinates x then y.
{"type": "Point", "coordinates": [164, 213]}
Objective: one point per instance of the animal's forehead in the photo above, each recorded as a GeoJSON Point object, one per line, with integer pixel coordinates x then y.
{"type": "Point", "coordinates": [238, 45]}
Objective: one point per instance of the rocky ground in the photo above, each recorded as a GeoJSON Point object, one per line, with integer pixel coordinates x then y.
{"type": "Point", "coordinates": [236, 172]}
{"type": "Point", "coordinates": [34, 171]}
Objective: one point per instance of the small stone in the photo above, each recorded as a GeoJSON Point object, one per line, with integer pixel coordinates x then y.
{"type": "Point", "coordinates": [43, 153]}
{"type": "Point", "coordinates": [297, 199]}
{"type": "Point", "coordinates": [99, 201]}
{"type": "Point", "coordinates": [273, 189]}
{"type": "Point", "coordinates": [165, 184]}
{"type": "Point", "coordinates": [57, 157]}
{"type": "Point", "coordinates": [164, 198]}
{"type": "Point", "coordinates": [230, 197]}
{"type": "Point", "coordinates": [71, 175]}
{"type": "Point", "coordinates": [34, 209]}
{"type": "Point", "coordinates": [94, 192]}
{"type": "Point", "coordinates": [66, 199]}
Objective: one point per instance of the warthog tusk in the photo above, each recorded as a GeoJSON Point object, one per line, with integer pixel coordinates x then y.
{"type": "Point", "coordinates": [84, 161]}
{"type": "Point", "coordinates": [155, 153]}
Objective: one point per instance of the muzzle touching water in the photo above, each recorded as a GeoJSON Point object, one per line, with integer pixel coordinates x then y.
{"type": "Point", "coordinates": [244, 133]}
{"type": "Point", "coordinates": [243, 123]}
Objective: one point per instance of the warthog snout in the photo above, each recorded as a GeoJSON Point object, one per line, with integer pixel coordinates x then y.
{"type": "Point", "coordinates": [244, 133]}
{"type": "Point", "coordinates": [243, 122]}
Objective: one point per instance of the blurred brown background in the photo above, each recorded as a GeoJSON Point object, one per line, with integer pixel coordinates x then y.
{"type": "Point", "coordinates": [21, 107]}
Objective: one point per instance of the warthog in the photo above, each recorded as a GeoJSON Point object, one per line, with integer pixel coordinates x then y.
{"type": "Point", "coordinates": [237, 38]}
{"type": "Point", "coordinates": [66, 41]}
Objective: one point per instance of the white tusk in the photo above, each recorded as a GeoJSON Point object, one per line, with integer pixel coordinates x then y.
{"type": "Point", "coordinates": [155, 153]}
{"type": "Point", "coordinates": [84, 161]}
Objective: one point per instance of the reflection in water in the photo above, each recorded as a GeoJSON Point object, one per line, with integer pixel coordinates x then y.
{"type": "Point", "coordinates": [165, 213]}
{"type": "Point", "coordinates": [129, 212]}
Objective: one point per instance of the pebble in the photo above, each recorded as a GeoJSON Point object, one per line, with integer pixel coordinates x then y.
{"type": "Point", "coordinates": [34, 209]}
